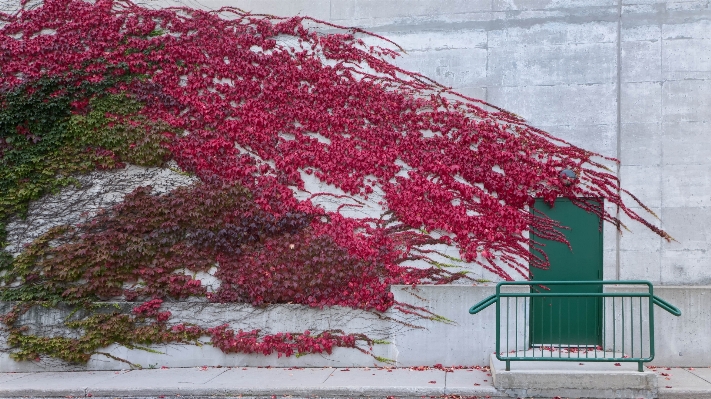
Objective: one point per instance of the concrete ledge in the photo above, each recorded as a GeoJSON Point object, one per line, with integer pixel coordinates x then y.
{"type": "Point", "coordinates": [572, 379]}
{"type": "Point", "coordinates": [469, 340]}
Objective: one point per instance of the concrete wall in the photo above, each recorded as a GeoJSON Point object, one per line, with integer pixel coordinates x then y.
{"type": "Point", "coordinates": [467, 340]}
{"type": "Point", "coordinates": [626, 78]}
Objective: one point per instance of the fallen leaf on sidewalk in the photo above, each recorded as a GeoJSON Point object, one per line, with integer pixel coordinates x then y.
{"type": "Point", "coordinates": [432, 382]}
{"type": "Point", "coordinates": [617, 364]}
{"type": "Point", "coordinates": [668, 386]}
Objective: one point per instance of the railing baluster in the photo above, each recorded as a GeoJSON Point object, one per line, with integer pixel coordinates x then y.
{"type": "Point", "coordinates": [541, 337]}
{"type": "Point", "coordinates": [596, 326]}
{"type": "Point", "coordinates": [614, 328]}
{"type": "Point", "coordinates": [578, 323]}
{"type": "Point", "coordinates": [603, 330]}
{"type": "Point", "coordinates": [641, 330]}
{"type": "Point", "coordinates": [560, 332]}
{"type": "Point", "coordinates": [623, 327]}
{"type": "Point", "coordinates": [631, 328]}
{"type": "Point", "coordinates": [569, 329]}
{"type": "Point", "coordinates": [526, 325]}
{"type": "Point", "coordinates": [586, 327]}
{"type": "Point", "coordinates": [534, 333]}
{"type": "Point", "coordinates": [516, 336]}
{"type": "Point", "coordinates": [550, 312]}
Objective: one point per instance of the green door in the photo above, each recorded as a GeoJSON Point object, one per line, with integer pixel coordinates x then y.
{"type": "Point", "coordinates": [568, 320]}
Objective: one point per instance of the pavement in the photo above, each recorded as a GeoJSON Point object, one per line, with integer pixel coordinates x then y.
{"type": "Point", "coordinates": [412, 382]}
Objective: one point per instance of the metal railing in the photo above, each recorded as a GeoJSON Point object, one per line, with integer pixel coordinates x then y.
{"type": "Point", "coordinates": [574, 321]}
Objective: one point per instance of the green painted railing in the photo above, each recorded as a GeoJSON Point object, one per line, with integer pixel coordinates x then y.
{"type": "Point", "coordinates": [574, 321]}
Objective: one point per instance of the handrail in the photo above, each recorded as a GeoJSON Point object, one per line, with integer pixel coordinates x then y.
{"type": "Point", "coordinates": [490, 300]}
{"type": "Point", "coordinates": [509, 319]}
{"type": "Point", "coordinates": [581, 282]}
{"type": "Point", "coordinates": [666, 306]}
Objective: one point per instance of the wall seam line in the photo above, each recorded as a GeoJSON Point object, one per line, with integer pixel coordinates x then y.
{"type": "Point", "coordinates": [619, 134]}
{"type": "Point", "coordinates": [661, 148]}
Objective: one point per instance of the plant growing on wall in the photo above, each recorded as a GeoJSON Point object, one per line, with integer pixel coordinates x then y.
{"type": "Point", "coordinates": [252, 106]}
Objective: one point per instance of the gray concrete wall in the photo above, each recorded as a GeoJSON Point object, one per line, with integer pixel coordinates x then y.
{"type": "Point", "coordinates": [626, 78]}
{"type": "Point", "coordinates": [466, 340]}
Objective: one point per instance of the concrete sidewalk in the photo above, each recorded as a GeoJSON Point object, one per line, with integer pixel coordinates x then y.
{"type": "Point", "coordinates": [297, 382]}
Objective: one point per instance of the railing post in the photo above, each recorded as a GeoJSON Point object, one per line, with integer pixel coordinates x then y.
{"type": "Point", "coordinates": [498, 320]}
{"type": "Point", "coordinates": [651, 320]}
